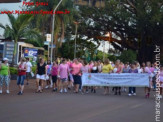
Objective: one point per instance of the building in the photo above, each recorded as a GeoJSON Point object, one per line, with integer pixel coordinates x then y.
{"type": "Point", "coordinates": [7, 50]}
{"type": "Point", "coordinates": [96, 3]}
{"type": "Point", "coordinates": [10, 1]}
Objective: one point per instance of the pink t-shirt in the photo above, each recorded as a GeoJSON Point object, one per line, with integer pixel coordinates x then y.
{"type": "Point", "coordinates": [76, 68]}
{"type": "Point", "coordinates": [54, 70]}
{"type": "Point", "coordinates": [63, 70]}
{"type": "Point", "coordinates": [85, 69]}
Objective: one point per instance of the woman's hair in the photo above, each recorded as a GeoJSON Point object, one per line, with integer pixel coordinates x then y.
{"type": "Point", "coordinates": [23, 59]}
{"type": "Point", "coordinates": [106, 61]}
{"type": "Point", "coordinates": [40, 60]}
{"type": "Point", "coordinates": [48, 62]}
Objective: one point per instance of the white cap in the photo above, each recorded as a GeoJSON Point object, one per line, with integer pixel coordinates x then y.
{"type": "Point", "coordinates": [5, 59]}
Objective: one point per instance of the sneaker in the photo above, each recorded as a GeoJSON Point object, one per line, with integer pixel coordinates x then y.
{"type": "Point", "coordinates": [87, 92]}
{"type": "Point", "coordinates": [7, 91]}
{"type": "Point", "coordinates": [134, 94]}
{"type": "Point", "coordinates": [160, 96]}
{"type": "Point", "coordinates": [19, 93]}
{"type": "Point", "coordinates": [65, 90]}
{"type": "Point", "coordinates": [0, 91]}
{"type": "Point", "coordinates": [61, 90]}
{"type": "Point", "coordinates": [129, 94]}
{"type": "Point", "coordinates": [46, 87]}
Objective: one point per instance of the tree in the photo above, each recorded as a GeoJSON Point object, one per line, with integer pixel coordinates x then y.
{"type": "Point", "coordinates": [44, 23]}
{"type": "Point", "coordinates": [83, 47]}
{"type": "Point", "coordinates": [135, 25]}
{"type": "Point", "coordinates": [128, 56]}
{"type": "Point", "coordinates": [18, 29]}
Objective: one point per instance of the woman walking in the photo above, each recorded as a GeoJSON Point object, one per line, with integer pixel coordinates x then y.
{"type": "Point", "coordinates": [119, 69]}
{"type": "Point", "coordinates": [76, 71]}
{"type": "Point", "coordinates": [85, 69]}
{"type": "Point", "coordinates": [48, 80]}
{"type": "Point", "coordinates": [22, 67]}
{"type": "Point", "coordinates": [132, 90]}
{"type": "Point", "coordinates": [94, 70]}
{"type": "Point", "coordinates": [4, 75]}
{"type": "Point", "coordinates": [107, 68]}
{"type": "Point", "coordinates": [54, 73]}
{"type": "Point", "coordinates": [63, 72]}
{"type": "Point", "coordinates": [41, 74]}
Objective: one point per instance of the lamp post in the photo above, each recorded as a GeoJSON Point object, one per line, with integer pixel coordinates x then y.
{"type": "Point", "coordinates": [51, 58]}
{"type": "Point", "coordinates": [76, 30]}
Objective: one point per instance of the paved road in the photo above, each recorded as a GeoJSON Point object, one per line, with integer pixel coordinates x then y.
{"type": "Point", "coordinates": [70, 107]}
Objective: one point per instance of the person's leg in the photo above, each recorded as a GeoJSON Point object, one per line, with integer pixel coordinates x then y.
{"type": "Point", "coordinates": [134, 89]}
{"type": "Point", "coordinates": [37, 84]}
{"type": "Point", "coordinates": [116, 90]}
{"type": "Point", "coordinates": [61, 86]}
{"type": "Point", "coordinates": [27, 78]}
{"type": "Point", "coordinates": [7, 81]}
{"type": "Point", "coordinates": [77, 87]}
{"type": "Point", "coordinates": [65, 86]}
{"type": "Point", "coordinates": [130, 91]}
{"type": "Point", "coordinates": [19, 84]}
{"type": "Point", "coordinates": [1, 83]}
{"type": "Point", "coordinates": [22, 83]}
{"type": "Point", "coordinates": [119, 90]}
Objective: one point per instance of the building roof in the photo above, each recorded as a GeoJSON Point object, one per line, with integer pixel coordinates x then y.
{"type": "Point", "coordinates": [10, 1]}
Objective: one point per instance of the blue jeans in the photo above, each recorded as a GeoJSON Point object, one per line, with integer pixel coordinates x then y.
{"type": "Point", "coordinates": [20, 79]}
{"type": "Point", "coordinates": [132, 90]}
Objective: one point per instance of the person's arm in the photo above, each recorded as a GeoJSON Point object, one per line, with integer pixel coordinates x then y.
{"type": "Point", "coordinates": [0, 66]}
{"type": "Point", "coordinates": [46, 70]}
{"type": "Point", "coordinates": [111, 68]}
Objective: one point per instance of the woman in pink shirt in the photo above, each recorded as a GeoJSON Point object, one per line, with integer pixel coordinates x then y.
{"type": "Point", "coordinates": [161, 80]}
{"type": "Point", "coordinates": [85, 69]}
{"type": "Point", "coordinates": [63, 72]}
{"type": "Point", "coordinates": [150, 71]}
{"type": "Point", "coordinates": [76, 72]}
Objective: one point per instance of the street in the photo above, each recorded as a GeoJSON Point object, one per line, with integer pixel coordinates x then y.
{"type": "Point", "coordinates": [70, 107]}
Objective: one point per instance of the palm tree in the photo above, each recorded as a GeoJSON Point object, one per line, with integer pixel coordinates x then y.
{"type": "Point", "coordinates": [17, 29]}
{"type": "Point", "coordinates": [44, 23]}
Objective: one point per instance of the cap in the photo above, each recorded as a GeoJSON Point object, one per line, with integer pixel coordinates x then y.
{"type": "Point", "coordinates": [5, 59]}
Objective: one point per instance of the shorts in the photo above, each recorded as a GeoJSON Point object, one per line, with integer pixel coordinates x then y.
{"type": "Point", "coordinates": [77, 79]}
{"type": "Point", "coordinates": [41, 77]}
{"type": "Point", "coordinates": [20, 79]}
{"type": "Point", "coordinates": [54, 79]}
{"type": "Point", "coordinates": [4, 78]}
{"type": "Point", "coordinates": [28, 74]}
{"type": "Point", "coordinates": [63, 79]}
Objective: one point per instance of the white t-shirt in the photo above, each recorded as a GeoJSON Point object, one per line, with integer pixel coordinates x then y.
{"type": "Point", "coordinates": [29, 65]}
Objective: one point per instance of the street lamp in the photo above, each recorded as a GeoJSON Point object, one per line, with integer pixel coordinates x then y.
{"type": "Point", "coordinates": [52, 39]}
{"type": "Point", "coordinates": [76, 30]}
{"type": "Point", "coordinates": [107, 35]}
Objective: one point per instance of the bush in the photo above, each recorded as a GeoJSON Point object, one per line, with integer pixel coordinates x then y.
{"type": "Point", "coordinates": [13, 71]}
{"type": "Point", "coordinates": [128, 56]}
{"type": "Point", "coordinates": [34, 69]}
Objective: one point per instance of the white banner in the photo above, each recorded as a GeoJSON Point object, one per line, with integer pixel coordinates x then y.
{"type": "Point", "coordinates": [114, 79]}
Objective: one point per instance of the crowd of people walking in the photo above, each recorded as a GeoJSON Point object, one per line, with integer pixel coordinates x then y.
{"type": "Point", "coordinates": [63, 75]}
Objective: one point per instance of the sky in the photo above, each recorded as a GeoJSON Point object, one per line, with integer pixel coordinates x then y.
{"type": "Point", "coordinates": [7, 6]}
{"type": "Point", "coordinates": [17, 6]}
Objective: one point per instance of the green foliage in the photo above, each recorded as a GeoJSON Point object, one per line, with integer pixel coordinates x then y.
{"type": "Point", "coordinates": [128, 56]}
{"type": "Point", "coordinates": [100, 55]}
{"type": "Point", "coordinates": [84, 48]}
{"type": "Point", "coordinates": [13, 71]}
{"type": "Point", "coordinates": [34, 69]}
